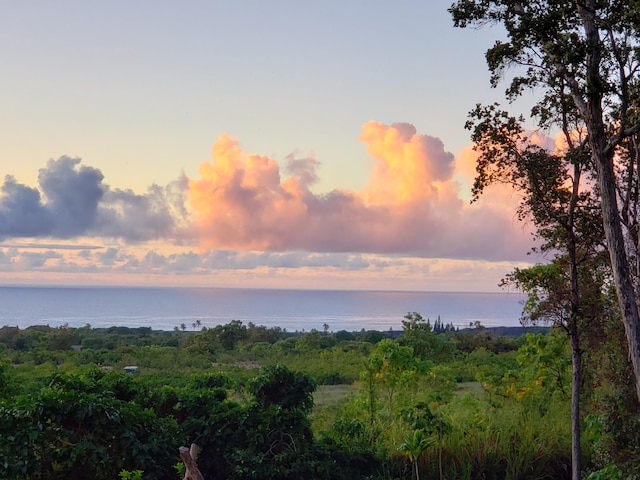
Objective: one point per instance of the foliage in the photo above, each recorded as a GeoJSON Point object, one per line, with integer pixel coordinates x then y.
{"type": "Point", "coordinates": [610, 472]}
{"type": "Point", "coordinates": [130, 475]}
{"type": "Point", "coordinates": [427, 344]}
{"type": "Point", "coordinates": [583, 58]}
{"type": "Point", "coordinates": [257, 423]}
{"type": "Point", "coordinates": [414, 444]}
{"type": "Point", "coordinates": [278, 385]}
{"type": "Point", "coordinates": [75, 430]}
{"type": "Point", "coordinates": [7, 382]}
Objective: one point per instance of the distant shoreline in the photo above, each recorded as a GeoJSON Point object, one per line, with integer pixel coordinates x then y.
{"type": "Point", "coordinates": [293, 310]}
{"type": "Point", "coordinates": [267, 289]}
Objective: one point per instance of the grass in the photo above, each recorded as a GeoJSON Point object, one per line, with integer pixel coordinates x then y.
{"type": "Point", "coordinates": [327, 400]}
{"type": "Point", "coordinates": [474, 388]}
{"type": "Point", "coordinates": [326, 395]}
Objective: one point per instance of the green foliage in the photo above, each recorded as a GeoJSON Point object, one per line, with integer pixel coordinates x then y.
{"type": "Point", "coordinates": [256, 423]}
{"type": "Point", "coordinates": [613, 426]}
{"type": "Point", "coordinates": [130, 475]}
{"type": "Point", "coordinates": [545, 362]}
{"type": "Point", "coordinates": [425, 342]}
{"type": "Point", "coordinates": [278, 385]}
{"type": "Point", "coordinates": [610, 472]}
{"type": "Point", "coordinates": [7, 382]}
{"type": "Point", "coordinates": [75, 429]}
{"type": "Point", "coordinates": [414, 444]}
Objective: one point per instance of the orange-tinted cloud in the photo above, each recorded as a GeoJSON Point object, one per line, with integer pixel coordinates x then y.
{"type": "Point", "coordinates": [410, 205]}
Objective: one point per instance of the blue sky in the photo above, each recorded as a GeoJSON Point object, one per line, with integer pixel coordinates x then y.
{"type": "Point", "coordinates": [140, 91]}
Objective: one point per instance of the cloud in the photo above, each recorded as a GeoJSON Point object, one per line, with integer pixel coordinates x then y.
{"type": "Point", "coordinates": [123, 260]}
{"type": "Point", "coordinates": [72, 193]}
{"type": "Point", "coordinates": [411, 204]}
{"type": "Point", "coordinates": [36, 260]}
{"type": "Point", "coordinates": [21, 211]}
{"type": "Point", "coordinates": [53, 246]}
{"type": "Point", "coordinates": [133, 217]}
{"type": "Point", "coordinates": [136, 266]}
{"type": "Point", "coordinates": [73, 201]}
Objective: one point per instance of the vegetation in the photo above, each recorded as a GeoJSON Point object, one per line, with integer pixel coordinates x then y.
{"type": "Point", "coordinates": [582, 59]}
{"type": "Point", "coordinates": [416, 403]}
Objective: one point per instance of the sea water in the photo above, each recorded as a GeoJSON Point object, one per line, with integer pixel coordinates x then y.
{"type": "Point", "coordinates": [293, 310]}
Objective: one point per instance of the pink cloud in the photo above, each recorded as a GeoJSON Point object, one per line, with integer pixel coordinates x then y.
{"type": "Point", "coordinates": [411, 205]}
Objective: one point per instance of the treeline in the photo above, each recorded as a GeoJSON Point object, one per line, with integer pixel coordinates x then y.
{"type": "Point", "coordinates": [44, 348]}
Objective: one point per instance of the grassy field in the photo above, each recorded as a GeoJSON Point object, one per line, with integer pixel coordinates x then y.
{"type": "Point", "coordinates": [326, 395]}
{"type": "Point", "coordinates": [469, 387]}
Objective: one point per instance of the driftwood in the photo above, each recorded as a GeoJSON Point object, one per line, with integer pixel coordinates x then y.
{"type": "Point", "coordinates": [189, 457]}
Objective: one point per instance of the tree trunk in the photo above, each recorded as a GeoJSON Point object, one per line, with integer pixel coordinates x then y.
{"type": "Point", "coordinates": [576, 364]}
{"type": "Point", "coordinates": [189, 458]}
{"type": "Point", "coordinates": [619, 263]}
{"type": "Point", "coordinates": [603, 160]}
{"type": "Point", "coordinates": [574, 335]}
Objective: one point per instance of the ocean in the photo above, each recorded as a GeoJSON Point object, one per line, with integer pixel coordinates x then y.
{"type": "Point", "coordinates": [293, 310]}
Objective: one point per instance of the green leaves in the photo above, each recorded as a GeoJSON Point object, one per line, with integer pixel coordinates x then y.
{"type": "Point", "coordinates": [278, 385]}
{"type": "Point", "coordinates": [75, 425]}
{"type": "Point", "coordinates": [415, 443]}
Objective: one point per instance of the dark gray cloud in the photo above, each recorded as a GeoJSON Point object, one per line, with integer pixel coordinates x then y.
{"type": "Point", "coordinates": [22, 213]}
{"type": "Point", "coordinates": [73, 201]}
{"type": "Point", "coordinates": [125, 214]}
{"type": "Point", "coordinates": [72, 193]}
{"type": "Point", "coordinates": [110, 257]}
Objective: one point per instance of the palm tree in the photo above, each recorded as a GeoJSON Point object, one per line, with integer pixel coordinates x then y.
{"type": "Point", "coordinates": [413, 446]}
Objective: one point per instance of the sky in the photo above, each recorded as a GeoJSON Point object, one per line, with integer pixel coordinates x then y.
{"type": "Point", "coordinates": [283, 144]}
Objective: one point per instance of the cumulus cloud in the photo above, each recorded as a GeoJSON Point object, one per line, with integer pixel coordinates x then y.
{"type": "Point", "coordinates": [73, 201]}
{"type": "Point", "coordinates": [411, 204]}
{"type": "Point", "coordinates": [136, 218]}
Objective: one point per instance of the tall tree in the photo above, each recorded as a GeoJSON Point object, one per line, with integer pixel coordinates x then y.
{"type": "Point", "coordinates": [583, 56]}
{"type": "Point", "coordinates": [559, 202]}
{"type": "Point", "coordinates": [391, 364]}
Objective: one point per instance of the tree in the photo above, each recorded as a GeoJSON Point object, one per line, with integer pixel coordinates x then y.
{"type": "Point", "coordinates": [276, 433]}
{"type": "Point", "coordinates": [582, 56]}
{"type": "Point", "coordinates": [231, 334]}
{"type": "Point", "coordinates": [390, 364]}
{"type": "Point", "coordinates": [560, 203]}
{"type": "Point", "coordinates": [414, 444]}
{"type": "Point", "coordinates": [278, 385]}
{"type": "Point", "coordinates": [571, 299]}
{"type": "Point", "coordinates": [425, 342]}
